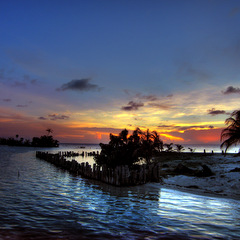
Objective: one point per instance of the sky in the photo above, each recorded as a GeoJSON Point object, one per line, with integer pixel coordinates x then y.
{"type": "Point", "coordinates": [86, 69]}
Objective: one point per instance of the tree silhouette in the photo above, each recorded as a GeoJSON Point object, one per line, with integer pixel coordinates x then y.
{"type": "Point", "coordinates": [231, 135]}
{"type": "Point", "coordinates": [179, 147]}
{"type": "Point", "coordinates": [126, 150]}
{"type": "Point", "coordinates": [49, 130]}
{"type": "Point", "coordinates": [43, 141]}
{"type": "Point", "coordinates": [157, 142]}
{"type": "Point", "coordinates": [169, 147]}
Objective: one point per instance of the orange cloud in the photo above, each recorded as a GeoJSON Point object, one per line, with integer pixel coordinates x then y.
{"type": "Point", "coordinates": [171, 137]}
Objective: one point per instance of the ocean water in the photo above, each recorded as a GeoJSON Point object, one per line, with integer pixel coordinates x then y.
{"type": "Point", "coordinates": [40, 201]}
{"type": "Point", "coordinates": [209, 148]}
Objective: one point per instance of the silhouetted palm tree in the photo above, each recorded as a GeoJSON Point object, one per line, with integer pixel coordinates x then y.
{"type": "Point", "coordinates": [169, 147]}
{"type": "Point", "coordinates": [157, 142]}
{"type": "Point", "coordinates": [126, 150]}
{"type": "Point", "coordinates": [231, 135]}
{"type": "Point", "coordinates": [49, 130]}
{"type": "Point", "coordinates": [179, 147]}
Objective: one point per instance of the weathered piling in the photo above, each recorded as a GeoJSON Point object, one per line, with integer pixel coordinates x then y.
{"type": "Point", "coordinates": [119, 176]}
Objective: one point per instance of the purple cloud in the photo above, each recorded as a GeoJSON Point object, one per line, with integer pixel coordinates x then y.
{"type": "Point", "coordinates": [132, 106]}
{"type": "Point", "coordinates": [231, 90]}
{"type": "Point", "coordinates": [79, 85]}
{"type": "Point", "coordinates": [214, 112]}
{"type": "Point", "coordinates": [57, 117]}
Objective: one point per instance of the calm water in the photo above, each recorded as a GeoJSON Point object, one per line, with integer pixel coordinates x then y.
{"type": "Point", "coordinates": [39, 201]}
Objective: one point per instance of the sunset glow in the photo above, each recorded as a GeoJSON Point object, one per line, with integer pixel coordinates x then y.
{"type": "Point", "coordinates": [88, 69]}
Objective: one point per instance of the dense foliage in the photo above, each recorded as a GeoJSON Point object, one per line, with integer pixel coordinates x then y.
{"type": "Point", "coordinates": [231, 135]}
{"type": "Point", "coordinates": [126, 150]}
{"type": "Point", "coordinates": [43, 141]}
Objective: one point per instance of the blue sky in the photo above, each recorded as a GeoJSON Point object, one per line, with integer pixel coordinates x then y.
{"type": "Point", "coordinates": [87, 68]}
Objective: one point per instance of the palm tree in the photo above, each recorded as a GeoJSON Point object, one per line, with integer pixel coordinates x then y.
{"type": "Point", "coordinates": [231, 135]}
{"type": "Point", "coordinates": [169, 147]}
{"type": "Point", "coordinates": [49, 130]}
{"type": "Point", "coordinates": [179, 147]}
{"type": "Point", "coordinates": [157, 142]}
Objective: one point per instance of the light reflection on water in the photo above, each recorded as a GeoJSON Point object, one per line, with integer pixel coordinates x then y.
{"type": "Point", "coordinates": [45, 202]}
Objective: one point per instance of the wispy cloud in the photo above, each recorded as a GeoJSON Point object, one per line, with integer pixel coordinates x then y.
{"type": "Point", "coordinates": [79, 85]}
{"type": "Point", "coordinates": [187, 69]}
{"type": "Point", "coordinates": [146, 97]}
{"type": "Point", "coordinates": [165, 126]}
{"type": "Point", "coordinates": [234, 11]}
{"type": "Point", "coordinates": [6, 100]}
{"type": "Point", "coordinates": [172, 127]}
{"type": "Point", "coordinates": [214, 112]}
{"type": "Point", "coordinates": [231, 90]}
{"type": "Point", "coordinates": [54, 117]}
{"type": "Point", "coordinates": [132, 106]}
{"type": "Point", "coordinates": [19, 84]}
{"type": "Point", "coordinates": [43, 118]}
{"type": "Point", "coordinates": [9, 77]}
{"type": "Point", "coordinates": [160, 106]}
{"type": "Point", "coordinates": [21, 105]}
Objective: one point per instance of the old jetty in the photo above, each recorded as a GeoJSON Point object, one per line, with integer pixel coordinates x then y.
{"type": "Point", "coordinates": [119, 176]}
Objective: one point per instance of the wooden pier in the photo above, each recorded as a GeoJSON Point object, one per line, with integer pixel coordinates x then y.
{"type": "Point", "coordinates": [120, 176]}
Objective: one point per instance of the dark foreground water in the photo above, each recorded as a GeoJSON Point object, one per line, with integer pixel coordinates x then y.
{"type": "Point", "coordinates": [40, 201]}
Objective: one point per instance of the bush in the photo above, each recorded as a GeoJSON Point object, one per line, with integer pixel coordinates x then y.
{"type": "Point", "coordinates": [124, 150]}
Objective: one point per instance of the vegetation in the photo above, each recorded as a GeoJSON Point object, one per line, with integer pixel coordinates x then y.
{"type": "Point", "coordinates": [127, 150]}
{"type": "Point", "coordinates": [192, 150]}
{"type": "Point", "coordinates": [169, 147]}
{"type": "Point", "coordinates": [231, 135]}
{"type": "Point", "coordinates": [179, 147]}
{"type": "Point", "coordinates": [43, 141]}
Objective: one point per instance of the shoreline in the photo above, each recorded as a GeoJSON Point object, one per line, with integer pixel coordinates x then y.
{"type": "Point", "coordinates": [200, 193]}
{"type": "Point", "coordinates": [224, 182]}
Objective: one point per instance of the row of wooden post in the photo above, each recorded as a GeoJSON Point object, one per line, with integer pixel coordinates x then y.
{"type": "Point", "coordinates": [76, 154]}
{"type": "Point", "coordinates": [119, 176]}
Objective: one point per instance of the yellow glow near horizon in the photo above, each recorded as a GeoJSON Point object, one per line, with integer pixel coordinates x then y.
{"type": "Point", "coordinates": [172, 138]}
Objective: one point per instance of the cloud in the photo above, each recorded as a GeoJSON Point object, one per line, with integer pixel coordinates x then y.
{"type": "Point", "coordinates": [191, 127]}
{"type": "Point", "coordinates": [28, 79]}
{"type": "Point", "coordinates": [165, 126]}
{"type": "Point", "coordinates": [214, 112]}
{"type": "Point", "coordinates": [6, 100]}
{"type": "Point", "coordinates": [184, 128]}
{"type": "Point", "coordinates": [234, 11]}
{"type": "Point", "coordinates": [21, 106]}
{"type": "Point", "coordinates": [57, 117]}
{"type": "Point", "coordinates": [9, 77]}
{"type": "Point", "coordinates": [19, 84]}
{"type": "Point", "coordinates": [146, 97]}
{"type": "Point", "coordinates": [186, 69]}
{"type": "Point", "coordinates": [138, 119]}
{"type": "Point", "coordinates": [79, 85]}
{"type": "Point", "coordinates": [231, 90]}
{"type": "Point", "coordinates": [54, 117]}
{"type": "Point", "coordinates": [132, 106]}
{"type": "Point", "coordinates": [160, 105]}
{"type": "Point", "coordinates": [42, 118]}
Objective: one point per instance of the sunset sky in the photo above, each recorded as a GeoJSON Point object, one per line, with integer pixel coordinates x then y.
{"type": "Point", "coordinates": [89, 68]}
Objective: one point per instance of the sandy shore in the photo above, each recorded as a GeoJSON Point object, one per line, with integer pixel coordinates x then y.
{"type": "Point", "coordinates": [224, 182]}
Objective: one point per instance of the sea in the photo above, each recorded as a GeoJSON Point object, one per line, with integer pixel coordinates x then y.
{"type": "Point", "coordinates": [41, 201]}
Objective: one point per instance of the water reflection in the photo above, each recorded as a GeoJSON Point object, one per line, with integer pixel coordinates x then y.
{"type": "Point", "coordinates": [64, 206]}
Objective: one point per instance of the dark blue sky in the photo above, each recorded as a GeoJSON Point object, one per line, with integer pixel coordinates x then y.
{"type": "Point", "coordinates": [100, 66]}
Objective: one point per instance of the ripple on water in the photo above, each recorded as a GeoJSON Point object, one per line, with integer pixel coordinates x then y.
{"type": "Point", "coordinates": [46, 202]}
